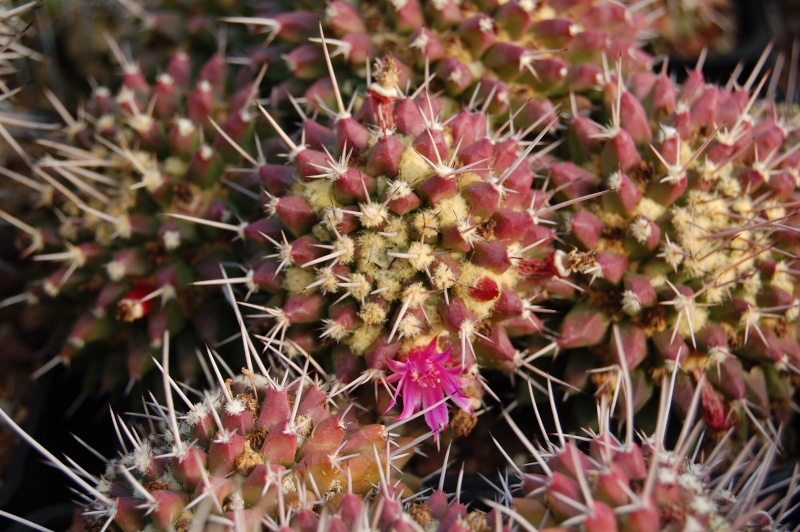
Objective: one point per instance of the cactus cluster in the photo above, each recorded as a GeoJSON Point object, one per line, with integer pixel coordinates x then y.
{"type": "Point", "coordinates": [599, 481]}
{"type": "Point", "coordinates": [251, 450]}
{"type": "Point", "coordinates": [407, 216]}
{"type": "Point", "coordinates": [256, 452]}
{"type": "Point", "coordinates": [432, 192]}
{"type": "Point", "coordinates": [121, 270]}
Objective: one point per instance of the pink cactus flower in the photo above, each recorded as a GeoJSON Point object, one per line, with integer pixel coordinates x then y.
{"type": "Point", "coordinates": [424, 379]}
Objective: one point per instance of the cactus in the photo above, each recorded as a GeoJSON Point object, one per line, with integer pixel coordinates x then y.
{"type": "Point", "coordinates": [257, 453]}
{"type": "Point", "coordinates": [121, 271]}
{"type": "Point", "coordinates": [685, 29]}
{"type": "Point", "coordinates": [411, 217]}
{"type": "Point", "coordinates": [255, 449]}
{"type": "Point", "coordinates": [77, 42]}
{"type": "Point", "coordinates": [600, 481]}
{"type": "Point", "coordinates": [695, 260]}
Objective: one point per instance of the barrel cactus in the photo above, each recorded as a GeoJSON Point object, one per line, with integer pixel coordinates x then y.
{"type": "Point", "coordinates": [100, 253]}
{"type": "Point", "coordinates": [606, 481]}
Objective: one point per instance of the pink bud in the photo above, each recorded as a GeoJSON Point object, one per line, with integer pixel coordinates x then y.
{"type": "Point", "coordinates": [588, 44]}
{"type": "Point", "coordinates": [451, 238]}
{"type": "Point", "coordinates": [559, 488]}
{"type": "Point", "coordinates": [352, 510]}
{"type": "Point", "coordinates": [644, 518]}
{"type": "Point", "coordinates": [320, 95]}
{"type": "Point", "coordinates": [620, 153]}
{"type": "Point", "coordinates": [550, 73]}
{"type": "Point", "coordinates": [353, 185]}
{"type": "Point", "coordinates": [239, 128]}
{"type": "Point", "coordinates": [222, 454]}
{"type": "Point", "coordinates": [277, 179]}
{"type": "Point", "coordinates": [166, 97]}
{"type": "Point", "coordinates": [554, 32]}
{"type": "Point", "coordinates": [667, 193]}
{"type": "Point", "coordinates": [297, 26]}
{"type": "Point", "coordinates": [255, 231]}
{"type": "Point", "coordinates": [169, 506]}
{"type": "Point", "coordinates": [664, 98]}
{"type": "Point", "coordinates": [346, 365]}
{"type": "Point", "coordinates": [275, 408]}
{"type": "Point", "coordinates": [706, 107]}
{"type": "Point", "coordinates": [613, 486]}
{"type": "Point", "coordinates": [728, 377]}
{"type": "Point", "coordinates": [454, 314]}
{"type": "Point", "coordinates": [715, 415]}
{"type": "Point", "coordinates": [468, 127]}
{"type": "Point", "coordinates": [408, 118]}
{"type": "Point", "coordinates": [454, 518]}
{"type": "Point", "coordinates": [133, 79]}
{"type": "Point", "coordinates": [480, 153]}
{"type": "Point", "coordinates": [570, 461]}
{"type": "Point", "coordinates": [583, 77]}
{"type": "Point", "coordinates": [601, 518]}
{"type": "Point", "coordinates": [518, 183]}
{"type": "Point", "coordinates": [455, 75]}
{"type": "Point", "coordinates": [445, 14]}
{"type": "Point", "coordinates": [498, 91]}
{"type": "Point", "coordinates": [585, 134]}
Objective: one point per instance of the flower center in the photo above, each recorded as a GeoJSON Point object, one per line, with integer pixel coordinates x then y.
{"type": "Point", "coordinates": [429, 378]}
